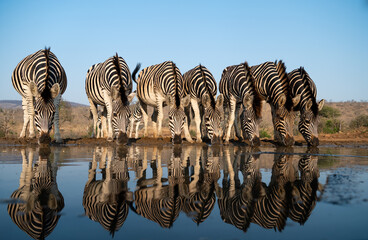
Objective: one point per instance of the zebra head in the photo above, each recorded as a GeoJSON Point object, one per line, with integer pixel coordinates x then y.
{"type": "Point", "coordinates": [250, 118]}
{"type": "Point", "coordinates": [177, 117]}
{"type": "Point", "coordinates": [283, 120]}
{"type": "Point", "coordinates": [44, 110]}
{"type": "Point", "coordinates": [309, 121]}
{"type": "Point", "coordinates": [120, 114]}
{"type": "Point", "coordinates": [213, 117]}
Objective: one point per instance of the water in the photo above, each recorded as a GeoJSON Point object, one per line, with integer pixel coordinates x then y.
{"type": "Point", "coordinates": [162, 192]}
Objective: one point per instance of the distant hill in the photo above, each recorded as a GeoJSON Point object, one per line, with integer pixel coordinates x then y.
{"type": "Point", "coordinates": [14, 104]}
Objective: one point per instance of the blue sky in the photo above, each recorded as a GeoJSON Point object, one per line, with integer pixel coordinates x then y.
{"type": "Point", "coordinates": [328, 38]}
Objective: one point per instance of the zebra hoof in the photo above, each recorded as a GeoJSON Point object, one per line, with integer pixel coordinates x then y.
{"type": "Point", "coordinates": [110, 139]}
{"type": "Point", "coordinates": [198, 140]}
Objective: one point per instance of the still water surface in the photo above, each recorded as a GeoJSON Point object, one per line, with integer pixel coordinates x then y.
{"type": "Point", "coordinates": [162, 192]}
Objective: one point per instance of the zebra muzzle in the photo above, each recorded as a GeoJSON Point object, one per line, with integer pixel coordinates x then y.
{"type": "Point", "coordinates": [216, 140]}
{"type": "Point", "coordinates": [177, 139]}
{"type": "Point", "coordinates": [255, 141]}
{"type": "Point", "coordinates": [44, 138]}
{"type": "Point", "coordinates": [288, 141]}
{"type": "Point", "coordinates": [122, 138]}
{"type": "Point", "coordinates": [313, 142]}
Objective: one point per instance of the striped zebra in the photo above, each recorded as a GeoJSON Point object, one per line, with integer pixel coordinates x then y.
{"type": "Point", "coordinates": [237, 201]}
{"type": "Point", "coordinates": [272, 209]}
{"type": "Point", "coordinates": [37, 201]}
{"type": "Point", "coordinates": [200, 199]}
{"type": "Point", "coordinates": [163, 84]}
{"type": "Point", "coordinates": [40, 79]}
{"type": "Point", "coordinates": [304, 190]}
{"type": "Point", "coordinates": [272, 84]}
{"type": "Point", "coordinates": [135, 119]}
{"type": "Point", "coordinates": [301, 84]}
{"type": "Point", "coordinates": [200, 84]}
{"type": "Point", "coordinates": [238, 87]}
{"type": "Point", "coordinates": [155, 201]}
{"type": "Point", "coordinates": [109, 84]}
{"type": "Point", "coordinates": [107, 201]}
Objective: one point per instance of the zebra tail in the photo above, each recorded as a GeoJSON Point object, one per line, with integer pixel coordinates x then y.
{"type": "Point", "coordinates": [46, 93]}
{"type": "Point", "coordinates": [118, 69]}
{"type": "Point", "coordinates": [135, 71]}
{"type": "Point", "coordinates": [177, 97]}
{"type": "Point", "coordinates": [257, 100]}
{"type": "Point", "coordinates": [213, 102]}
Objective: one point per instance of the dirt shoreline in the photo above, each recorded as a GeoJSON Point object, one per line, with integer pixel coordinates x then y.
{"type": "Point", "coordinates": [330, 141]}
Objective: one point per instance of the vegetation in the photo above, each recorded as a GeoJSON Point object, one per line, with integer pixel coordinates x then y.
{"type": "Point", "coordinates": [329, 112]}
{"type": "Point", "coordinates": [328, 120]}
{"type": "Point", "coordinates": [359, 122]}
{"type": "Point", "coordinates": [264, 134]}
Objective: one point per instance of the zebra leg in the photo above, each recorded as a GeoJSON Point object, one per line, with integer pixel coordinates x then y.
{"type": "Point", "coordinates": [108, 104]}
{"type": "Point", "coordinates": [143, 107]}
{"type": "Point", "coordinates": [230, 123]}
{"type": "Point", "coordinates": [237, 124]}
{"type": "Point", "coordinates": [136, 129]}
{"type": "Point", "coordinates": [187, 133]}
{"type": "Point", "coordinates": [154, 122]}
{"type": "Point", "coordinates": [160, 114]}
{"type": "Point", "coordinates": [130, 128]}
{"type": "Point", "coordinates": [56, 119]}
{"type": "Point", "coordinates": [93, 108]}
{"type": "Point", "coordinates": [197, 119]}
{"type": "Point", "coordinates": [25, 118]}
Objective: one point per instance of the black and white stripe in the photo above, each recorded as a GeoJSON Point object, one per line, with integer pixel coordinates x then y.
{"type": "Point", "coordinates": [272, 85]}
{"type": "Point", "coordinates": [109, 84]}
{"type": "Point", "coordinates": [301, 84]}
{"type": "Point", "coordinates": [200, 84]}
{"type": "Point", "coordinates": [163, 84]}
{"type": "Point", "coordinates": [135, 119]}
{"type": "Point", "coordinates": [238, 87]}
{"type": "Point", "coordinates": [40, 79]}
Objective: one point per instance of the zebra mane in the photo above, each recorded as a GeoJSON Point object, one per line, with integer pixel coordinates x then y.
{"type": "Point", "coordinates": [257, 100]}
{"type": "Point", "coordinates": [285, 80]}
{"type": "Point", "coordinates": [177, 97]}
{"type": "Point", "coordinates": [213, 102]}
{"type": "Point", "coordinates": [304, 76]}
{"type": "Point", "coordinates": [116, 62]}
{"type": "Point", "coordinates": [46, 93]}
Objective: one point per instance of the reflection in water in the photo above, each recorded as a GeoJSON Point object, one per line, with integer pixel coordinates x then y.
{"type": "Point", "coordinates": [107, 200]}
{"type": "Point", "coordinates": [186, 179]}
{"type": "Point", "coordinates": [37, 200]}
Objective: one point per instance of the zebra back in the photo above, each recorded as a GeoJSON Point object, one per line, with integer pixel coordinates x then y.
{"type": "Point", "coordinates": [199, 81]}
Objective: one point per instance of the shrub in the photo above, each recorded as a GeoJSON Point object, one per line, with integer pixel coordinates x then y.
{"type": "Point", "coordinates": [331, 126]}
{"type": "Point", "coordinates": [329, 112]}
{"type": "Point", "coordinates": [359, 121]}
{"type": "Point", "coordinates": [264, 134]}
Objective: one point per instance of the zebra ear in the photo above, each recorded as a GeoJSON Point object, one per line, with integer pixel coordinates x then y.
{"type": "Point", "coordinates": [185, 101]}
{"type": "Point", "coordinates": [55, 90]}
{"type": "Point", "coordinates": [296, 100]}
{"type": "Point", "coordinates": [34, 90]}
{"type": "Point", "coordinates": [309, 104]}
{"type": "Point", "coordinates": [248, 101]}
{"type": "Point", "coordinates": [131, 96]}
{"type": "Point", "coordinates": [320, 104]}
{"type": "Point", "coordinates": [115, 94]}
{"type": "Point", "coordinates": [206, 101]}
{"type": "Point", "coordinates": [282, 100]}
{"type": "Point", "coordinates": [220, 101]}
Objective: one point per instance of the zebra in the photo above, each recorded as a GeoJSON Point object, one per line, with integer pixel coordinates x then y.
{"type": "Point", "coordinates": [41, 80]}
{"type": "Point", "coordinates": [135, 119]}
{"type": "Point", "coordinates": [301, 84]}
{"type": "Point", "coordinates": [271, 82]}
{"type": "Point", "coordinates": [155, 201]}
{"type": "Point", "coordinates": [304, 190]}
{"type": "Point", "coordinates": [272, 209]}
{"type": "Point", "coordinates": [109, 84]}
{"type": "Point", "coordinates": [200, 199]}
{"type": "Point", "coordinates": [107, 200]}
{"type": "Point", "coordinates": [163, 84]}
{"type": "Point", "coordinates": [200, 84]}
{"type": "Point", "coordinates": [238, 87]}
{"type": "Point", "coordinates": [237, 201]}
{"type": "Point", "coordinates": [37, 202]}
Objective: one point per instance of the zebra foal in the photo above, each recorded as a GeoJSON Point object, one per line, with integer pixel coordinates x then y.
{"type": "Point", "coordinates": [109, 84]}
{"type": "Point", "coordinates": [200, 84]}
{"type": "Point", "coordinates": [40, 79]}
{"type": "Point", "coordinates": [163, 84]}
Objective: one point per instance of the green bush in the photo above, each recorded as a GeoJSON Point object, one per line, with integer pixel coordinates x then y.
{"type": "Point", "coordinates": [264, 134]}
{"type": "Point", "coordinates": [359, 121]}
{"type": "Point", "coordinates": [331, 126]}
{"type": "Point", "coordinates": [329, 112]}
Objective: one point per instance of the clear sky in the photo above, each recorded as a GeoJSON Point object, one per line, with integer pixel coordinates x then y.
{"type": "Point", "coordinates": [328, 38]}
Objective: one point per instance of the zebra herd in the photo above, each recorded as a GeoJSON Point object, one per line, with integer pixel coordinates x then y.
{"type": "Point", "coordinates": [40, 79]}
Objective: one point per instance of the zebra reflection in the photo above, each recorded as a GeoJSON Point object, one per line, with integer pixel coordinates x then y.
{"type": "Point", "coordinates": [107, 200]}
{"type": "Point", "coordinates": [200, 199]}
{"type": "Point", "coordinates": [237, 201]}
{"type": "Point", "coordinates": [38, 201]}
